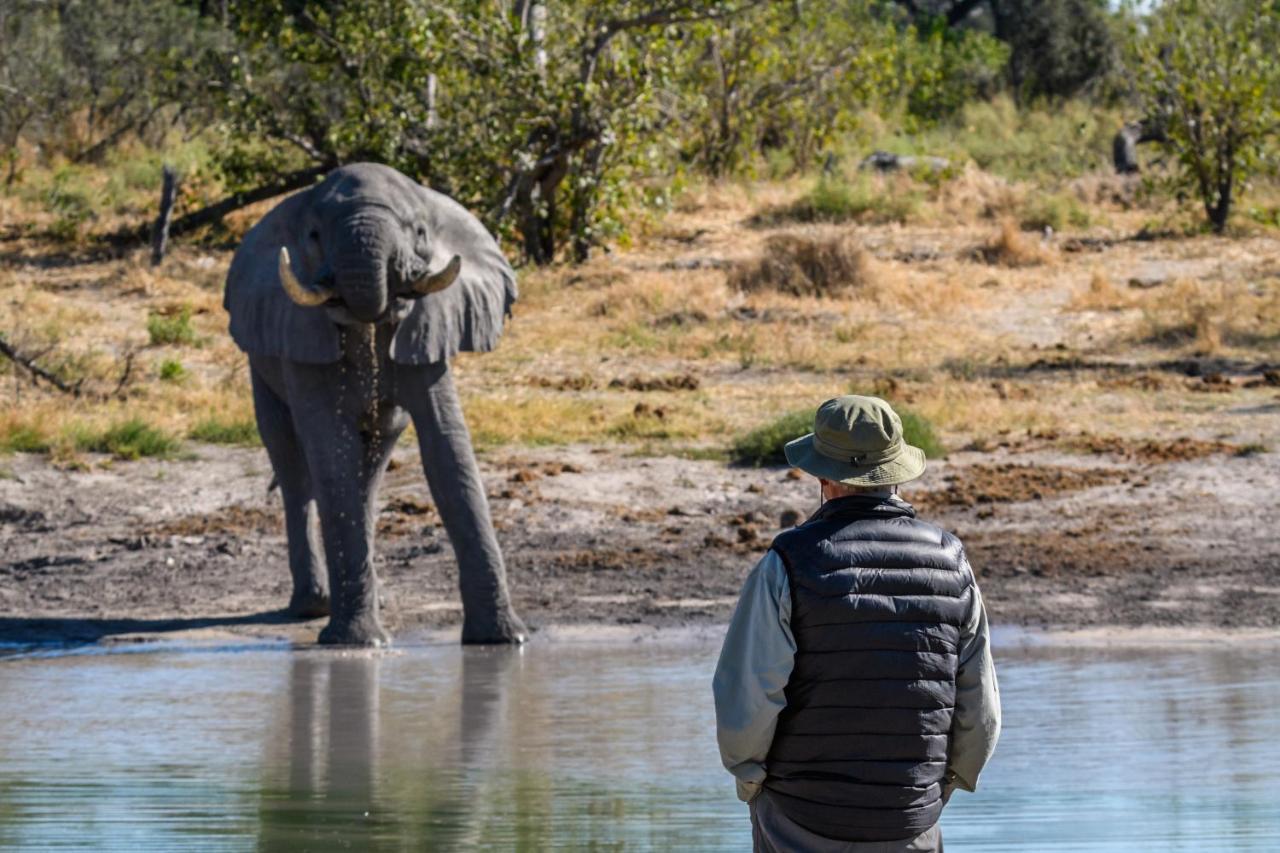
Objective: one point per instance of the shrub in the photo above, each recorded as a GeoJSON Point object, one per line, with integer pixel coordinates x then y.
{"type": "Point", "coordinates": [174, 328]}
{"type": "Point", "coordinates": [130, 439]}
{"type": "Point", "coordinates": [804, 266]}
{"type": "Point", "coordinates": [69, 201]}
{"type": "Point", "coordinates": [764, 445]}
{"type": "Point", "coordinates": [1054, 210]}
{"type": "Point", "coordinates": [919, 431]}
{"type": "Point", "coordinates": [217, 431]}
{"type": "Point", "coordinates": [171, 370]}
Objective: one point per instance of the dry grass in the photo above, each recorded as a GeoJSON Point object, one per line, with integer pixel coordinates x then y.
{"type": "Point", "coordinates": [764, 322]}
{"type": "Point", "coordinates": [1204, 316]}
{"type": "Point", "coordinates": [805, 265]}
{"type": "Point", "coordinates": [1010, 247]}
{"type": "Point", "coordinates": [1100, 295]}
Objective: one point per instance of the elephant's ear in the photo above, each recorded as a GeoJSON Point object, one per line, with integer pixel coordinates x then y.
{"type": "Point", "coordinates": [468, 315]}
{"type": "Point", "coordinates": [264, 321]}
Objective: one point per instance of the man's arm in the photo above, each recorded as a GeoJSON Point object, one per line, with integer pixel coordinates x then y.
{"type": "Point", "coordinates": [755, 663]}
{"type": "Point", "coordinates": [975, 725]}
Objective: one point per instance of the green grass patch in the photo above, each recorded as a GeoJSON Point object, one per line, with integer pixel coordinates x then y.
{"type": "Point", "coordinates": [919, 431]}
{"type": "Point", "coordinates": [130, 439]}
{"type": "Point", "coordinates": [171, 370]}
{"type": "Point", "coordinates": [24, 438]}
{"type": "Point", "coordinates": [217, 431]}
{"type": "Point", "coordinates": [864, 199]}
{"type": "Point", "coordinates": [172, 328]}
{"type": "Point", "coordinates": [1054, 210]}
{"type": "Point", "coordinates": [764, 445]}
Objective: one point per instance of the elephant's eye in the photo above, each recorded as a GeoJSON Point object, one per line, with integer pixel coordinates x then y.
{"type": "Point", "coordinates": [314, 235]}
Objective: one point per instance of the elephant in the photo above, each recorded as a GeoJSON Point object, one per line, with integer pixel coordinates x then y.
{"type": "Point", "coordinates": [349, 299]}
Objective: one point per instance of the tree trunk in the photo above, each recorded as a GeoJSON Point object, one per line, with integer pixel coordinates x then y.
{"type": "Point", "coordinates": [160, 232]}
{"type": "Point", "coordinates": [1220, 212]}
{"type": "Point", "coordinates": [583, 203]}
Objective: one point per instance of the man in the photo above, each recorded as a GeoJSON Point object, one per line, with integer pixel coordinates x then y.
{"type": "Point", "coordinates": [855, 690]}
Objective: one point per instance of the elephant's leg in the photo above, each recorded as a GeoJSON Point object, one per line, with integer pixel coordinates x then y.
{"type": "Point", "coordinates": [310, 596]}
{"type": "Point", "coordinates": [336, 456]}
{"type": "Point", "coordinates": [454, 478]}
{"type": "Point", "coordinates": [378, 448]}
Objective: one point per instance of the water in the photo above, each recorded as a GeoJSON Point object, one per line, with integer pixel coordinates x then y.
{"type": "Point", "coordinates": [603, 746]}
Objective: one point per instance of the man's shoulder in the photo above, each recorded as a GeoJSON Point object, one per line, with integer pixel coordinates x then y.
{"type": "Point", "coordinates": [905, 532]}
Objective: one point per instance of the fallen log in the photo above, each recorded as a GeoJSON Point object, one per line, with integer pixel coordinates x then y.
{"type": "Point", "coordinates": [216, 211]}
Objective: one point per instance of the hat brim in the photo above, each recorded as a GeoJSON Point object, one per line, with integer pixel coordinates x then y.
{"type": "Point", "coordinates": [906, 467]}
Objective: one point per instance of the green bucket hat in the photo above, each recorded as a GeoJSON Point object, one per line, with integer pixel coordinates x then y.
{"type": "Point", "coordinates": [857, 441]}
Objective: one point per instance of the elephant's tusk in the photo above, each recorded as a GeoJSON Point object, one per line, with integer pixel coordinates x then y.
{"type": "Point", "coordinates": [294, 289]}
{"type": "Point", "coordinates": [435, 282]}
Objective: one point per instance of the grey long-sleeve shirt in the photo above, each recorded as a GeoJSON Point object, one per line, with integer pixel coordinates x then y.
{"type": "Point", "coordinates": [759, 653]}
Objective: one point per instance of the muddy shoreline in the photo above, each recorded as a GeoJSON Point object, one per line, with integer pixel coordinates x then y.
{"type": "Point", "coordinates": [1180, 545]}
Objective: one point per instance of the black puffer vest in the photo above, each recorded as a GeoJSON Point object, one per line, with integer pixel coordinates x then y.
{"type": "Point", "coordinates": [877, 601]}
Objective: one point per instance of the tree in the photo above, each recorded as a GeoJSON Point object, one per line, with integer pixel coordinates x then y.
{"type": "Point", "coordinates": [1057, 48]}
{"type": "Point", "coordinates": [784, 75]}
{"type": "Point", "coordinates": [79, 76]}
{"type": "Point", "coordinates": [1209, 75]}
{"type": "Point", "coordinates": [527, 112]}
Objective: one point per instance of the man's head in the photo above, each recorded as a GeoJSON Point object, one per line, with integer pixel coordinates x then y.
{"type": "Point", "coordinates": [856, 444]}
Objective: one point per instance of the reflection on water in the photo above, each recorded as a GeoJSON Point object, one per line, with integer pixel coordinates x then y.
{"type": "Point", "coordinates": [569, 745]}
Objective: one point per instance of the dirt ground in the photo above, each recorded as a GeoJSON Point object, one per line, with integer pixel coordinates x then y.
{"type": "Point", "coordinates": [1059, 540]}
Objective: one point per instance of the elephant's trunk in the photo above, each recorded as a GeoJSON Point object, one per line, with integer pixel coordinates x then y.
{"type": "Point", "coordinates": [360, 268]}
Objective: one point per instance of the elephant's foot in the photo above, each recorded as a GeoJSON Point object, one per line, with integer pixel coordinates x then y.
{"type": "Point", "coordinates": [360, 631]}
{"type": "Point", "coordinates": [308, 604]}
{"type": "Point", "coordinates": [503, 628]}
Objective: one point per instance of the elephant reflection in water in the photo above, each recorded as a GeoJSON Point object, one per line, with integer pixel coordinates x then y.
{"type": "Point", "coordinates": [359, 777]}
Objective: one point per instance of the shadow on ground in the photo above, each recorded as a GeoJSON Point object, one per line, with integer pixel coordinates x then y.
{"type": "Point", "coordinates": [72, 630]}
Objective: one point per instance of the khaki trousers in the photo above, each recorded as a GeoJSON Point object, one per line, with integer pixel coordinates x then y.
{"type": "Point", "coordinates": [774, 832]}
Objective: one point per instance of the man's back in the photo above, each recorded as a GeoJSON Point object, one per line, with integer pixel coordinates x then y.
{"type": "Point", "coordinates": [878, 601]}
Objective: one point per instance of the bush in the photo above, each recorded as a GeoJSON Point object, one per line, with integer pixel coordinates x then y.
{"type": "Point", "coordinates": [172, 328]}
{"type": "Point", "coordinates": [131, 439]}
{"type": "Point", "coordinates": [217, 431]}
{"type": "Point", "coordinates": [764, 445]}
{"type": "Point", "coordinates": [171, 370]}
{"type": "Point", "coordinates": [804, 266]}
{"type": "Point", "coordinates": [1054, 210]}
{"type": "Point", "coordinates": [69, 201]}
{"type": "Point", "coordinates": [919, 431]}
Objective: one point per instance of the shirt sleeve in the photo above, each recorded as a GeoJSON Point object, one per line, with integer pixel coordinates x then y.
{"type": "Point", "coordinates": [755, 664]}
{"type": "Point", "coordinates": [975, 725]}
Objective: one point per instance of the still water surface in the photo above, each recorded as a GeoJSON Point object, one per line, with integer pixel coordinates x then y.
{"type": "Point", "coordinates": [602, 746]}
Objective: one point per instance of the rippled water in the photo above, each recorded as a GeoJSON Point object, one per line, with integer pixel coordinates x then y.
{"type": "Point", "coordinates": [589, 745]}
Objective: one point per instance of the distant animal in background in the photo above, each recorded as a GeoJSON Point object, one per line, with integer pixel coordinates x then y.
{"type": "Point", "coordinates": [883, 161]}
{"type": "Point", "coordinates": [349, 299]}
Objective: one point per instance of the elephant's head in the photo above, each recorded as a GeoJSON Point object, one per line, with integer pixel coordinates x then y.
{"type": "Point", "coordinates": [368, 245]}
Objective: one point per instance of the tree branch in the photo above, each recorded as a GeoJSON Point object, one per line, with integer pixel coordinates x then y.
{"type": "Point", "coordinates": [36, 371]}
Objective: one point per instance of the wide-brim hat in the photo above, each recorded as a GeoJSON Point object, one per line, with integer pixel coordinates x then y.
{"type": "Point", "coordinates": [857, 441]}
